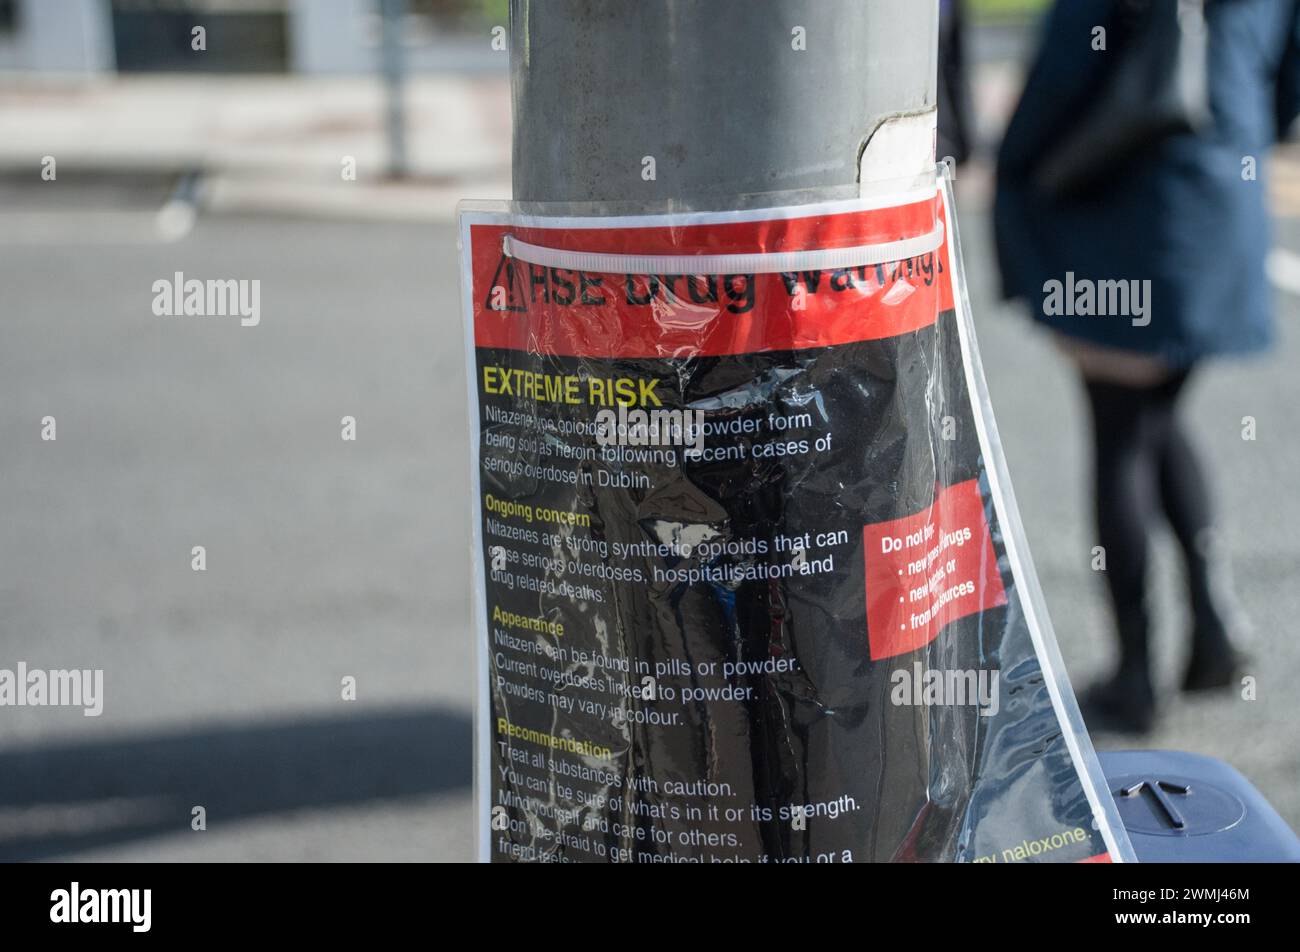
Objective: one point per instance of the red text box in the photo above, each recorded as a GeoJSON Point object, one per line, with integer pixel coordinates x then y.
{"type": "Point", "coordinates": [926, 570]}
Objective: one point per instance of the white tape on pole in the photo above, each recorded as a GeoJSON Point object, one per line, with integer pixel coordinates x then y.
{"type": "Point", "coordinates": [823, 259]}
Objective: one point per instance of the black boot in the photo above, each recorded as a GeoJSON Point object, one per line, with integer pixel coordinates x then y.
{"type": "Point", "coordinates": [1214, 662]}
{"type": "Point", "coordinates": [1127, 701]}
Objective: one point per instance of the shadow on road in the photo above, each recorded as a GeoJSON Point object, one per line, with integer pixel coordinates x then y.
{"type": "Point", "coordinates": [76, 796]}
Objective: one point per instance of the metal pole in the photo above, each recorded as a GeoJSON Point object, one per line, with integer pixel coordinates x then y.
{"type": "Point", "coordinates": [734, 100]}
{"type": "Point", "coordinates": [728, 97]}
{"type": "Point", "coordinates": [392, 67]}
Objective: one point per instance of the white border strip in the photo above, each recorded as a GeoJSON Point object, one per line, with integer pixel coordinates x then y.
{"type": "Point", "coordinates": [552, 215]}
{"type": "Point", "coordinates": [817, 259]}
{"type": "Point", "coordinates": [1028, 589]}
{"type": "Point", "coordinates": [482, 783]}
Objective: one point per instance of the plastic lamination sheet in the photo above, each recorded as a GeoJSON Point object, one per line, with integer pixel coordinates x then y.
{"type": "Point", "coordinates": [750, 584]}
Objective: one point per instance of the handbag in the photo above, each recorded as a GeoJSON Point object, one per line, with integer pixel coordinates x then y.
{"type": "Point", "coordinates": [1158, 87]}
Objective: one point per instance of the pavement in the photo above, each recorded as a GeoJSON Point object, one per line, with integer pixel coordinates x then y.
{"type": "Point", "coordinates": [329, 560]}
{"type": "Point", "coordinates": [270, 144]}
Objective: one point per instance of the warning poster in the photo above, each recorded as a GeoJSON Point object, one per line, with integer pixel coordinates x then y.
{"type": "Point", "coordinates": [749, 583]}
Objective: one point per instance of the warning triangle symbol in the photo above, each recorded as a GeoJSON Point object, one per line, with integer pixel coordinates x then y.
{"type": "Point", "coordinates": [506, 290]}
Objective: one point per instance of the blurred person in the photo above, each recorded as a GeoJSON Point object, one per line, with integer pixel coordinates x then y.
{"type": "Point", "coordinates": [1107, 193]}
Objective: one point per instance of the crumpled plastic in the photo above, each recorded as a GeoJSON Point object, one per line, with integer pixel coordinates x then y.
{"type": "Point", "coordinates": [750, 581]}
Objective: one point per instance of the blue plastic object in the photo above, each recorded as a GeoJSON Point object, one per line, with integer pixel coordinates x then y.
{"type": "Point", "coordinates": [1188, 808]}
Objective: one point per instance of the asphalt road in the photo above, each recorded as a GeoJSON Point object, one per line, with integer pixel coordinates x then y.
{"type": "Point", "coordinates": [326, 559]}
{"type": "Point", "coordinates": [329, 559]}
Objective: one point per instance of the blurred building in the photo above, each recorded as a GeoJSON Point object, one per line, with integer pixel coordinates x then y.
{"type": "Point", "coordinates": [293, 36]}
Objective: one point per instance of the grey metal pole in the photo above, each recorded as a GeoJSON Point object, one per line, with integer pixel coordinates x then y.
{"type": "Point", "coordinates": [728, 97]}
{"type": "Point", "coordinates": [714, 104]}
{"type": "Point", "coordinates": [392, 66]}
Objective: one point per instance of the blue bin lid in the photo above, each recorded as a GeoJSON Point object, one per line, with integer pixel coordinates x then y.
{"type": "Point", "coordinates": [1189, 808]}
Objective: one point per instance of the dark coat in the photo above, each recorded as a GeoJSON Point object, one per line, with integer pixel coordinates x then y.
{"type": "Point", "coordinates": [1181, 214]}
{"type": "Point", "coordinates": [953, 98]}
